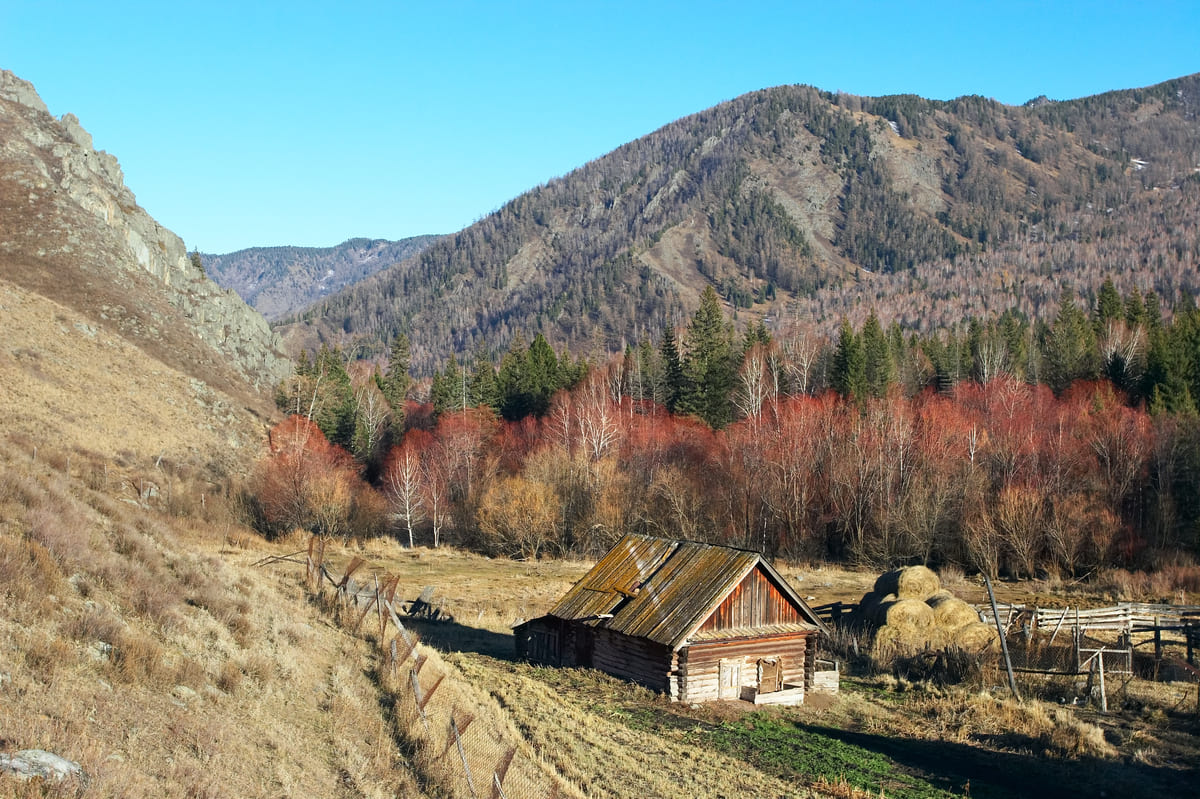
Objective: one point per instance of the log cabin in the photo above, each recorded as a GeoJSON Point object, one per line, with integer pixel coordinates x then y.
{"type": "Point", "coordinates": [696, 621]}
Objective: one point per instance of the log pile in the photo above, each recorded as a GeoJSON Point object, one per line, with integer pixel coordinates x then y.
{"type": "Point", "coordinates": [910, 612]}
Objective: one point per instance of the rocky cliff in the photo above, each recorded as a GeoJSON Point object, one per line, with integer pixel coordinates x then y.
{"type": "Point", "coordinates": [71, 230]}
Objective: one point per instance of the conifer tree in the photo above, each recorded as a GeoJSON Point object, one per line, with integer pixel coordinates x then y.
{"type": "Point", "coordinates": [394, 384]}
{"type": "Point", "coordinates": [333, 410]}
{"type": "Point", "coordinates": [449, 390]}
{"type": "Point", "coordinates": [708, 364]}
{"type": "Point", "coordinates": [674, 382]}
{"type": "Point", "coordinates": [849, 372]}
{"type": "Point", "coordinates": [1108, 306]}
{"type": "Point", "coordinates": [879, 370]}
{"type": "Point", "coordinates": [484, 389]}
{"type": "Point", "coordinates": [1070, 346]}
{"type": "Point", "coordinates": [396, 381]}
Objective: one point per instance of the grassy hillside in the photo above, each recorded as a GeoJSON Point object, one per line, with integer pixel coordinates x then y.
{"type": "Point", "coordinates": [144, 646]}
{"type": "Point", "coordinates": [798, 203]}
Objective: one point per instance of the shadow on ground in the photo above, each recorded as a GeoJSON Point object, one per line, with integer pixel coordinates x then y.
{"type": "Point", "coordinates": [452, 636]}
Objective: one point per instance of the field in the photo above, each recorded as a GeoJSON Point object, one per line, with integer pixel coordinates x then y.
{"type": "Point", "coordinates": [883, 733]}
{"type": "Point", "coordinates": [143, 639]}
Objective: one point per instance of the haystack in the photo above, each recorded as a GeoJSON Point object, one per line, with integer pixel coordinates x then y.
{"type": "Point", "coordinates": [910, 582]}
{"type": "Point", "coordinates": [950, 612]}
{"type": "Point", "coordinates": [907, 613]}
{"type": "Point", "coordinates": [912, 612]}
{"type": "Point", "coordinates": [975, 637]}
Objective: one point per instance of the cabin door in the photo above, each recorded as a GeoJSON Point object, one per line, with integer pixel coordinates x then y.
{"type": "Point", "coordinates": [770, 675]}
{"type": "Point", "coordinates": [730, 685]}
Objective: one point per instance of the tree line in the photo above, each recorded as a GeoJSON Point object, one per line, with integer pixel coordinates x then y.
{"type": "Point", "coordinates": [1008, 446]}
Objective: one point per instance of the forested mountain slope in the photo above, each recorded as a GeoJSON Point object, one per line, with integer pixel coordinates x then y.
{"type": "Point", "coordinates": [277, 281]}
{"type": "Point", "coordinates": [798, 203]}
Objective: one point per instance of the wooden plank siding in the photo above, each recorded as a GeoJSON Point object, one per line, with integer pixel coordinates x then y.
{"type": "Point", "coordinates": [683, 617]}
{"type": "Point", "coordinates": [754, 602]}
{"type": "Point", "coordinates": [700, 664]}
{"type": "Point", "coordinates": [639, 660]}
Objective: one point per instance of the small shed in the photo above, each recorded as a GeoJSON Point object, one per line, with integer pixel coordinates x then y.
{"type": "Point", "coordinates": [696, 621]}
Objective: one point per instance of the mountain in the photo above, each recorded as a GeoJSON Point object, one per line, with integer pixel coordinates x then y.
{"type": "Point", "coordinates": [799, 204]}
{"type": "Point", "coordinates": [114, 341]}
{"type": "Point", "coordinates": [277, 281]}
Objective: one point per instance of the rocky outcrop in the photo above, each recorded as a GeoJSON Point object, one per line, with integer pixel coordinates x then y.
{"type": "Point", "coordinates": [66, 203]}
{"type": "Point", "coordinates": [31, 764]}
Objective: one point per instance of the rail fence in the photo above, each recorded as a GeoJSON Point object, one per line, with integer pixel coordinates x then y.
{"type": "Point", "coordinates": [462, 739]}
{"type": "Point", "coordinates": [1085, 637]}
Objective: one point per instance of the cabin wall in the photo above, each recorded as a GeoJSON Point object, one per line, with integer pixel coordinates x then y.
{"type": "Point", "coordinates": [700, 664]}
{"type": "Point", "coordinates": [755, 602]}
{"type": "Point", "coordinates": [540, 641]}
{"type": "Point", "coordinates": [636, 659]}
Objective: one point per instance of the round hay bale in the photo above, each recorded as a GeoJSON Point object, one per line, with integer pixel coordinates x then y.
{"type": "Point", "coordinates": [917, 582]}
{"type": "Point", "coordinates": [867, 606]}
{"type": "Point", "coordinates": [975, 637]}
{"type": "Point", "coordinates": [941, 594]}
{"type": "Point", "coordinates": [877, 613]}
{"type": "Point", "coordinates": [910, 582]}
{"type": "Point", "coordinates": [890, 642]}
{"type": "Point", "coordinates": [951, 613]}
{"type": "Point", "coordinates": [909, 613]}
{"type": "Point", "coordinates": [886, 583]}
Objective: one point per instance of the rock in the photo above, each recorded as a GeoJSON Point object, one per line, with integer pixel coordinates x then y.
{"type": "Point", "coordinates": [60, 154]}
{"type": "Point", "coordinates": [31, 763]}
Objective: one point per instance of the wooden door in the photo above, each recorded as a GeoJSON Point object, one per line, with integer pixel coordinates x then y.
{"type": "Point", "coordinates": [730, 684]}
{"type": "Point", "coordinates": [770, 675]}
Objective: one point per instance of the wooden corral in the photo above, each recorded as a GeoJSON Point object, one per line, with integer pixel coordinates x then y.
{"type": "Point", "coordinates": [695, 621]}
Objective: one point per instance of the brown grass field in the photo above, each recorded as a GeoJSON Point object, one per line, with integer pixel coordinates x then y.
{"type": "Point", "coordinates": [139, 639]}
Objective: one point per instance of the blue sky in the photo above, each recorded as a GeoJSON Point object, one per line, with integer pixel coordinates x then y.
{"type": "Point", "coordinates": [262, 123]}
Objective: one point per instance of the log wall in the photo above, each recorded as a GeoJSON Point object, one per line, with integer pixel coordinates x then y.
{"type": "Point", "coordinates": [700, 664]}
{"type": "Point", "coordinates": [637, 659]}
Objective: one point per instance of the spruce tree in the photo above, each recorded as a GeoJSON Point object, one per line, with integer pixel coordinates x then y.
{"type": "Point", "coordinates": [449, 390]}
{"type": "Point", "coordinates": [1070, 347]}
{"type": "Point", "coordinates": [674, 382]}
{"type": "Point", "coordinates": [849, 373]}
{"type": "Point", "coordinates": [708, 364]}
{"type": "Point", "coordinates": [395, 383]}
{"type": "Point", "coordinates": [483, 387]}
{"type": "Point", "coordinates": [879, 370]}
{"type": "Point", "coordinates": [1108, 306]}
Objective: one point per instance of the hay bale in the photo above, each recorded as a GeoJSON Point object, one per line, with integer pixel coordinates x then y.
{"type": "Point", "coordinates": [910, 582]}
{"type": "Point", "coordinates": [867, 606]}
{"type": "Point", "coordinates": [892, 641]}
{"type": "Point", "coordinates": [907, 613]}
{"type": "Point", "coordinates": [877, 613]}
{"type": "Point", "coordinates": [975, 637]}
{"type": "Point", "coordinates": [951, 613]}
{"type": "Point", "coordinates": [941, 594]}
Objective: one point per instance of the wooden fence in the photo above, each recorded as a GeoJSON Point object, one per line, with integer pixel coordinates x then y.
{"type": "Point", "coordinates": [1109, 635]}
{"type": "Point", "coordinates": [470, 757]}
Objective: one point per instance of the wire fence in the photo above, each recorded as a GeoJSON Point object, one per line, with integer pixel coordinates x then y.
{"type": "Point", "coordinates": [462, 740]}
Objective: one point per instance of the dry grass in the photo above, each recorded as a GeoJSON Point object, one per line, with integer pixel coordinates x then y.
{"type": "Point", "coordinates": [90, 384]}
{"type": "Point", "coordinates": [138, 645]}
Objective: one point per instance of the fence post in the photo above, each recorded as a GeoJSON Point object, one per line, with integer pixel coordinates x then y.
{"type": "Point", "coordinates": [462, 754]}
{"type": "Point", "coordinates": [1012, 680]}
{"type": "Point", "coordinates": [416, 685]}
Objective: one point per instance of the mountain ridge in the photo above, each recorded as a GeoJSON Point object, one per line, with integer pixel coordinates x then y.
{"type": "Point", "coordinates": [793, 202]}
{"type": "Point", "coordinates": [280, 280]}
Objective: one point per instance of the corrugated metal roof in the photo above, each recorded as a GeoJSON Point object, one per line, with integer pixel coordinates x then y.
{"type": "Point", "coordinates": [659, 589]}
